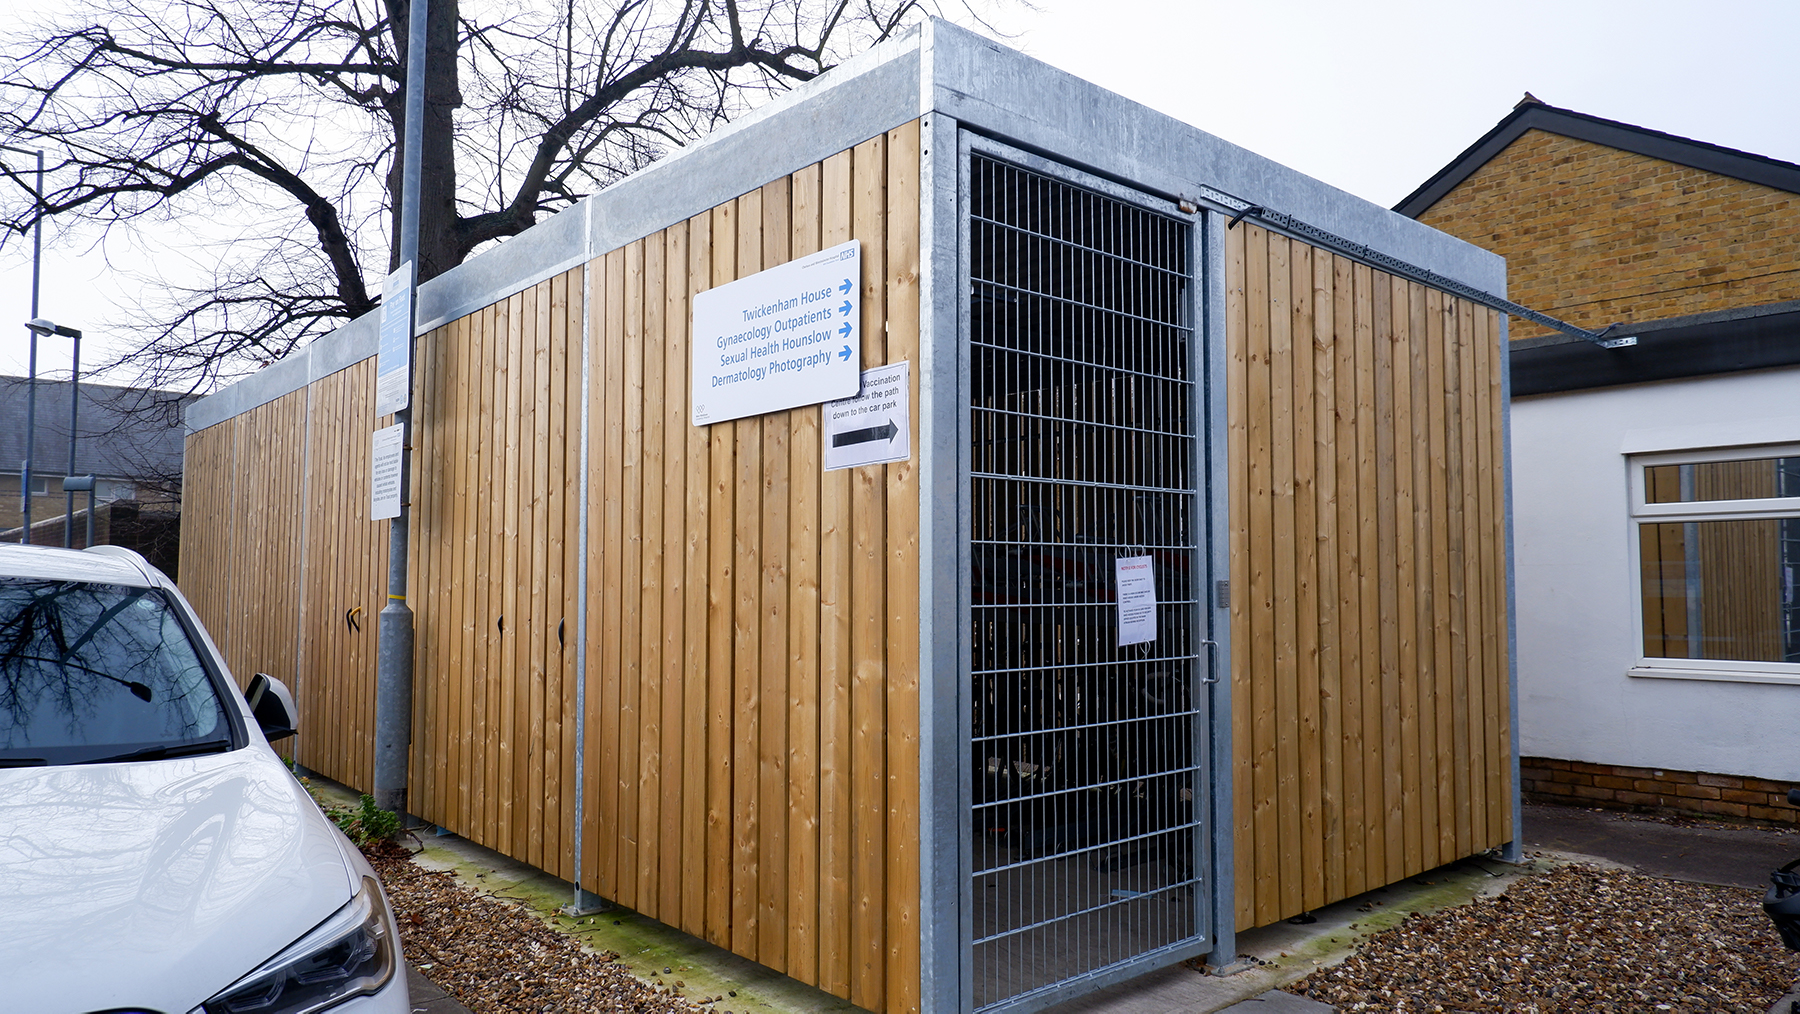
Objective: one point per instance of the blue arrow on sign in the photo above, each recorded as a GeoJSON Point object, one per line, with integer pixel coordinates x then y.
{"type": "Point", "coordinates": [845, 330]}
{"type": "Point", "coordinates": [846, 287]}
{"type": "Point", "coordinates": [845, 352]}
{"type": "Point", "coordinates": [845, 309]}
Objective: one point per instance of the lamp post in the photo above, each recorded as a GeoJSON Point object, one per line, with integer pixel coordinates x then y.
{"type": "Point", "coordinates": [37, 250]}
{"type": "Point", "coordinates": [39, 327]}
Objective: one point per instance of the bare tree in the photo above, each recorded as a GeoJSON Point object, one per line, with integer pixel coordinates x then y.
{"type": "Point", "coordinates": [266, 128]}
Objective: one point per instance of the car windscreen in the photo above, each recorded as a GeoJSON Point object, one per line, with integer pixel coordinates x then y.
{"type": "Point", "coordinates": [94, 673]}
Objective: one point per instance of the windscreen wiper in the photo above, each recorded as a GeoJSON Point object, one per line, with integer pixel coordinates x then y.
{"type": "Point", "coordinates": [160, 752]}
{"type": "Point", "coordinates": [22, 762]}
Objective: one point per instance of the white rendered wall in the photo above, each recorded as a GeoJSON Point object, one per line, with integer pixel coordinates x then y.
{"type": "Point", "coordinates": [1577, 584]}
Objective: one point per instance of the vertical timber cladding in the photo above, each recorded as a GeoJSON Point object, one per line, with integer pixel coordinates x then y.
{"type": "Point", "coordinates": [752, 708]}
{"type": "Point", "coordinates": [1370, 715]}
{"type": "Point", "coordinates": [282, 563]}
{"type": "Point", "coordinates": [249, 473]}
{"type": "Point", "coordinates": [344, 581]}
{"type": "Point", "coordinates": [1086, 450]}
{"type": "Point", "coordinates": [493, 581]}
{"type": "Point", "coordinates": [208, 490]}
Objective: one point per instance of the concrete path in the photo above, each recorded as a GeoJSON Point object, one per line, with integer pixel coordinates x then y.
{"type": "Point", "coordinates": [427, 998]}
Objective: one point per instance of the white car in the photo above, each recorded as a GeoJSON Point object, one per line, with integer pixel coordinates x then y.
{"type": "Point", "coordinates": [156, 856]}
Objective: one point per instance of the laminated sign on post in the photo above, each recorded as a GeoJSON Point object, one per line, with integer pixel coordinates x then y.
{"type": "Point", "coordinates": [1136, 583]}
{"type": "Point", "coordinates": [384, 491]}
{"type": "Point", "coordinates": [393, 358]}
{"type": "Point", "coordinates": [780, 338]}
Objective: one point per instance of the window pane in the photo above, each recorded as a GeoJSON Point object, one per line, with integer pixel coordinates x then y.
{"type": "Point", "coordinates": [88, 670]}
{"type": "Point", "coordinates": [1721, 590]}
{"type": "Point", "coordinates": [1752, 479]}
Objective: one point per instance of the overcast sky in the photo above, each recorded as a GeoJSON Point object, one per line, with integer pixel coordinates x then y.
{"type": "Point", "coordinates": [1371, 96]}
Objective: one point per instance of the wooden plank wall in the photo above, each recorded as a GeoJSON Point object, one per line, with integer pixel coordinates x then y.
{"type": "Point", "coordinates": [345, 583]}
{"type": "Point", "coordinates": [753, 646]}
{"type": "Point", "coordinates": [752, 663]}
{"type": "Point", "coordinates": [494, 581]}
{"type": "Point", "coordinates": [248, 511]}
{"type": "Point", "coordinates": [283, 565]}
{"type": "Point", "coordinates": [209, 465]}
{"type": "Point", "coordinates": [264, 599]}
{"type": "Point", "coordinates": [1369, 669]}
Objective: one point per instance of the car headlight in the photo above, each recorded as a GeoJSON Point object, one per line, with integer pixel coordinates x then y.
{"type": "Point", "coordinates": [349, 954]}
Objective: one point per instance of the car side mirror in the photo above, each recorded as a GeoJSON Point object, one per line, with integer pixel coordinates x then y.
{"type": "Point", "coordinates": [272, 706]}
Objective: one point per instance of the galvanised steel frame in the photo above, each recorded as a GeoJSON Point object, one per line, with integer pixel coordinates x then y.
{"type": "Point", "coordinates": [1089, 820]}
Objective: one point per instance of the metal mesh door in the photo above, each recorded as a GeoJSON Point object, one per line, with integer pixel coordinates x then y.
{"type": "Point", "coordinates": [1085, 790]}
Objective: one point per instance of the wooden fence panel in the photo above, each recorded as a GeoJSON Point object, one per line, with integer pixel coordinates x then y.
{"type": "Point", "coordinates": [765, 611]}
{"type": "Point", "coordinates": [751, 762]}
{"type": "Point", "coordinates": [1368, 624]}
{"type": "Point", "coordinates": [320, 561]}
{"type": "Point", "coordinates": [206, 520]}
{"type": "Point", "coordinates": [495, 523]}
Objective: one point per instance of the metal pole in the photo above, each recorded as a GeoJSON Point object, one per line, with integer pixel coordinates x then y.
{"type": "Point", "coordinates": [394, 674]}
{"type": "Point", "coordinates": [74, 418]}
{"type": "Point", "coordinates": [30, 420]}
{"type": "Point", "coordinates": [37, 254]}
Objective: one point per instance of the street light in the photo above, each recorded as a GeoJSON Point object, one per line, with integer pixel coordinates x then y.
{"type": "Point", "coordinates": [37, 250]}
{"type": "Point", "coordinates": [41, 328]}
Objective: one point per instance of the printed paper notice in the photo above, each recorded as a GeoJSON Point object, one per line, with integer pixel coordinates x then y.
{"type": "Point", "coordinates": [1136, 583]}
{"type": "Point", "coordinates": [393, 357]}
{"type": "Point", "coordinates": [384, 501]}
{"type": "Point", "coordinates": [876, 425]}
{"type": "Point", "coordinates": [780, 338]}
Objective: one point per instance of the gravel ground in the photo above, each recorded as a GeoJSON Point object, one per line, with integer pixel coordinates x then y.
{"type": "Point", "coordinates": [1578, 938]}
{"type": "Point", "coordinates": [496, 956]}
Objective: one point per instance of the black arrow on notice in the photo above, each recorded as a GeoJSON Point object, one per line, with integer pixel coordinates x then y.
{"type": "Point", "coordinates": [885, 431]}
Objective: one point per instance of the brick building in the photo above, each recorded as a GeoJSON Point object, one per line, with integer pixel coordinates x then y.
{"type": "Point", "coordinates": [1656, 488]}
{"type": "Point", "coordinates": [130, 440]}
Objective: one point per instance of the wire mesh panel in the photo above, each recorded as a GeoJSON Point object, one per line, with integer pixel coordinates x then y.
{"type": "Point", "coordinates": [1085, 790]}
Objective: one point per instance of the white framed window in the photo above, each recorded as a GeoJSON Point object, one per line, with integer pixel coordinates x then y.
{"type": "Point", "coordinates": [1716, 538]}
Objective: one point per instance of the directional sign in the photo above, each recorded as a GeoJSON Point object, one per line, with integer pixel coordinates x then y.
{"type": "Point", "coordinates": [780, 338]}
{"type": "Point", "coordinates": [876, 425]}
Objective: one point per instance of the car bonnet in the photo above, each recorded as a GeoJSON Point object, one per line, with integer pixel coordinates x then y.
{"type": "Point", "coordinates": [155, 884]}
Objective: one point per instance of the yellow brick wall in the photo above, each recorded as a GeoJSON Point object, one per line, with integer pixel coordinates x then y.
{"type": "Point", "coordinates": [1595, 235]}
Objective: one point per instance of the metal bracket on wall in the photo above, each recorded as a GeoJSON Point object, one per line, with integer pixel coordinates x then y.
{"type": "Point", "coordinates": [1241, 209]}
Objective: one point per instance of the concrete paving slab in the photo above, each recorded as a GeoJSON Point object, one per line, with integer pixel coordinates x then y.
{"type": "Point", "coordinates": [427, 997]}
{"type": "Point", "coordinates": [1283, 953]}
{"type": "Point", "coordinates": [1277, 1002]}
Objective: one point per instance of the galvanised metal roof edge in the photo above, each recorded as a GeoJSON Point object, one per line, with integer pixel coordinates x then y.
{"type": "Point", "coordinates": [320, 358]}
{"type": "Point", "coordinates": [998, 91]}
{"type": "Point", "coordinates": [933, 68]}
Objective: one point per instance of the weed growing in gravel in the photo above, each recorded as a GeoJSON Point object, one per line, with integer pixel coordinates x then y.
{"type": "Point", "coordinates": [363, 823]}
